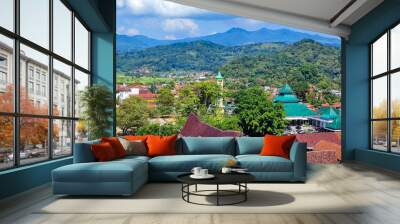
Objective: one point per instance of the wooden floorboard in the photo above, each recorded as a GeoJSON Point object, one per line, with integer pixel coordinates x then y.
{"type": "Point", "coordinates": [378, 189]}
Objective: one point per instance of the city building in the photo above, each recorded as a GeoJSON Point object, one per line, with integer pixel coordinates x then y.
{"type": "Point", "coordinates": [34, 82]}
{"type": "Point", "coordinates": [296, 112]}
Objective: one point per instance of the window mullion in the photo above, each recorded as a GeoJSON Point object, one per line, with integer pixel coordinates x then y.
{"type": "Point", "coordinates": [73, 81]}
{"type": "Point", "coordinates": [50, 81]}
{"type": "Point", "coordinates": [389, 104]}
{"type": "Point", "coordinates": [16, 69]}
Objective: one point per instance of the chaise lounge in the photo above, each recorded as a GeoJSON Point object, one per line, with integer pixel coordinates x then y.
{"type": "Point", "coordinates": [125, 176]}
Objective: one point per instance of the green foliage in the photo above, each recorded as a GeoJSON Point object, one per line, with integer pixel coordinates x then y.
{"type": "Point", "coordinates": [188, 101]}
{"type": "Point", "coordinates": [165, 102]}
{"type": "Point", "coordinates": [304, 61]}
{"type": "Point", "coordinates": [132, 114]}
{"type": "Point", "coordinates": [192, 56]}
{"type": "Point", "coordinates": [258, 115]}
{"type": "Point", "coordinates": [157, 129]}
{"type": "Point", "coordinates": [97, 103]}
{"type": "Point", "coordinates": [222, 121]}
{"type": "Point", "coordinates": [331, 98]}
{"type": "Point", "coordinates": [314, 99]}
{"type": "Point", "coordinates": [123, 78]}
{"type": "Point", "coordinates": [208, 92]}
{"type": "Point", "coordinates": [300, 87]}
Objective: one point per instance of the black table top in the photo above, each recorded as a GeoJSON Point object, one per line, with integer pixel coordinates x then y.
{"type": "Point", "coordinates": [220, 178]}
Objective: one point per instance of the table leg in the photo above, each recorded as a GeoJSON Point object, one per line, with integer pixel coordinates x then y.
{"type": "Point", "coordinates": [245, 193]}
{"type": "Point", "coordinates": [217, 194]}
{"type": "Point", "coordinates": [188, 189]}
{"type": "Point", "coordinates": [195, 188]}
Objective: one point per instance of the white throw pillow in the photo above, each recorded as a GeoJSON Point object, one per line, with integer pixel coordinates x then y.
{"type": "Point", "coordinates": [137, 148]}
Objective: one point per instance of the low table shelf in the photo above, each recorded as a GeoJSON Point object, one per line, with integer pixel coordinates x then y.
{"type": "Point", "coordinates": [238, 179]}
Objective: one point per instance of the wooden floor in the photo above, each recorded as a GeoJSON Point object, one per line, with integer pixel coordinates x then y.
{"type": "Point", "coordinates": [379, 189]}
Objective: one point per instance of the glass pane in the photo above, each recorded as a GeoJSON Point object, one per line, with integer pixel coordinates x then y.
{"type": "Point", "coordinates": [7, 14]}
{"type": "Point", "coordinates": [81, 131]}
{"type": "Point", "coordinates": [62, 29]}
{"type": "Point", "coordinates": [81, 82]}
{"type": "Point", "coordinates": [379, 97]}
{"type": "Point", "coordinates": [395, 47]}
{"type": "Point", "coordinates": [62, 89]}
{"type": "Point", "coordinates": [34, 78]}
{"type": "Point", "coordinates": [81, 45]}
{"type": "Point", "coordinates": [395, 94]}
{"type": "Point", "coordinates": [379, 55]}
{"type": "Point", "coordinates": [62, 138]}
{"type": "Point", "coordinates": [33, 140]}
{"type": "Point", "coordinates": [6, 74]}
{"type": "Point", "coordinates": [379, 135]}
{"type": "Point", "coordinates": [395, 132]}
{"type": "Point", "coordinates": [6, 142]}
{"type": "Point", "coordinates": [35, 21]}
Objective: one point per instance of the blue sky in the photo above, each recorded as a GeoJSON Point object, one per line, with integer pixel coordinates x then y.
{"type": "Point", "coordinates": [167, 20]}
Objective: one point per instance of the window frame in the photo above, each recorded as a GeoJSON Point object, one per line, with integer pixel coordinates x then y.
{"type": "Point", "coordinates": [16, 114]}
{"type": "Point", "coordinates": [388, 74]}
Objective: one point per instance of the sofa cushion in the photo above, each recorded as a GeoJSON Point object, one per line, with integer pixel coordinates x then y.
{"type": "Point", "coordinates": [112, 171]}
{"type": "Point", "coordinates": [208, 145]}
{"type": "Point", "coordinates": [116, 145]}
{"type": "Point", "coordinates": [83, 152]}
{"type": "Point", "coordinates": [277, 145]}
{"type": "Point", "coordinates": [103, 152]}
{"type": "Point", "coordinates": [134, 147]}
{"type": "Point", "coordinates": [185, 163]}
{"type": "Point", "coordinates": [132, 158]}
{"type": "Point", "coordinates": [161, 145]}
{"type": "Point", "coordinates": [249, 145]}
{"type": "Point", "coordinates": [257, 163]}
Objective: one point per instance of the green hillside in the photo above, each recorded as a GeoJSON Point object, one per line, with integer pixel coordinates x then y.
{"type": "Point", "coordinates": [191, 56]}
{"type": "Point", "coordinates": [305, 60]}
{"type": "Point", "coordinates": [269, 63]}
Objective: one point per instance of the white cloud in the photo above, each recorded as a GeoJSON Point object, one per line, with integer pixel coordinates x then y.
{"type": "Point", "coordinates": [160, 8]}
{"type": "Point", "coordinates": [170, 37]}
{"type": "Point", "coordinates": [176, 25]}
{"type": "Point", "coordinates": [127, 31]}
{"type": "Point", "coordinates": [120, 3]}
{"type": "Point", "coordinates": [252, 22]}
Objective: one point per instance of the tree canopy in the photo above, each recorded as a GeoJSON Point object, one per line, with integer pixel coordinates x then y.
{"type": "Point", "coordinates": [257, 114]}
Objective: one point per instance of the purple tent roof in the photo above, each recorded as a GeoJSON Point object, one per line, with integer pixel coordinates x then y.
{"type": "Point", "coordinates": [194, 127]}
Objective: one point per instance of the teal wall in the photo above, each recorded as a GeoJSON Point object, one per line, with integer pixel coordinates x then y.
{"type": "Point", "coordinates": [24, 178]}
{"type": "Point", "coordinates": [103, 65]}
{"type": "Point", "coordinates": [99, 15]}
{"type": "Point", "coordinates": [356, 100]}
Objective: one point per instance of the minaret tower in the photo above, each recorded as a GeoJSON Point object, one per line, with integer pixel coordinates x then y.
{"type": "Point", "coordinates": [220, 82]}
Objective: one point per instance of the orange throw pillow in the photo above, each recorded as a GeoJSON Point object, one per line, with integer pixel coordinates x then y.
{"type": "Point", "coordinates": [116, 145]}
{"type": "Point", "coordinates": [103, 152]}
{"type": "Point", "coordinates": [277, 145]}
{"type": "Point", "coordinates": [161, 145]}
{"type": "Point", "coordinates": [135, 138]}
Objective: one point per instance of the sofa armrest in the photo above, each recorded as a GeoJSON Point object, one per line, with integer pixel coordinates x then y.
{"type": "Point", "coordinates": [83, 152]}
{"type": "Point", "coordinates": [298, 155]}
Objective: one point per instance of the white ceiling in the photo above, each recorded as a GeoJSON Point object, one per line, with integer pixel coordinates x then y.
{"type": "Point", "coordinates": [325, 16]}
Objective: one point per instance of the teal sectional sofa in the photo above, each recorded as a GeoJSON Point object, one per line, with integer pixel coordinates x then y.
{"type": "Point", "coordinates": [125, 176]}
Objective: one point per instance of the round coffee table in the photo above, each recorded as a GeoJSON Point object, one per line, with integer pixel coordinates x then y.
{"type": "Point", "coordinates": [238, 179]}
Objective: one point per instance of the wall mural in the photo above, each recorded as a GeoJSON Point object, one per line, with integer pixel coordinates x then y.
{"type": "Point", "coordinates": [199, 73]}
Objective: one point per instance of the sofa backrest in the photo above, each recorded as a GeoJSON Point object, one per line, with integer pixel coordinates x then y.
{"type": "Point", "coordinates": [207, 145]}
{"type": "Point", "coordinates": [83, 152]}
{"type": "Point", "coordinates": [249, 145]}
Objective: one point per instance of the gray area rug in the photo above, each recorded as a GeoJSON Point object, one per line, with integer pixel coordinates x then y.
{"type": "Point", "coordinates": [166, 198]}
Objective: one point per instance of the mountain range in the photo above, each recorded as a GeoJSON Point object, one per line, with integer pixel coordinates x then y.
{"type": "Point", "coordinates": [307, 58]}
{"type": "Point", "coordinates": [232, 37]}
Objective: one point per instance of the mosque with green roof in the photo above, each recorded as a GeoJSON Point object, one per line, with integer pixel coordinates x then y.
{"type": "Point", "coordinates": [299, 113]}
